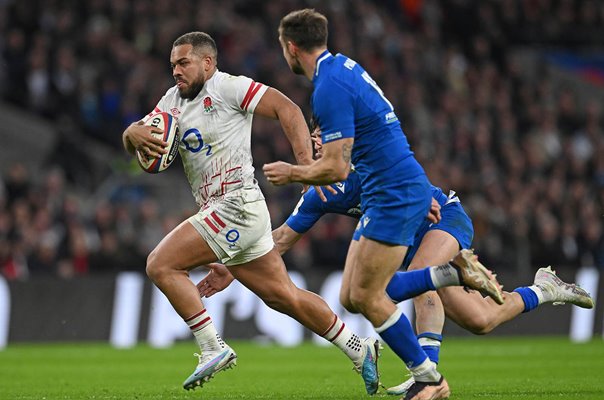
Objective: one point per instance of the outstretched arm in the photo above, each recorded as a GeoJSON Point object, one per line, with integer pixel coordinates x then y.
{"type": "Point", "coordinates": [284, 238]}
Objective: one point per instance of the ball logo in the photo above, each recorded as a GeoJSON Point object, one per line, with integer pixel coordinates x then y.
{"type": "Point", "coordinates": [174, 148]}
{"type": "Point", "coordinates": [170, 134]}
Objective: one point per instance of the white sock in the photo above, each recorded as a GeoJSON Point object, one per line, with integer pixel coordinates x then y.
{"type": "Point", "coordinates": [425, 372]}
{"type": "Point", "coordinates": [444, 275]}
{"type": "Point", "coordinates": [425, 341]}
{"type": "Point", "coordinates": [204, 331]}
{"type": "Point", "coordinates": [344, 339]}
{"type": "Point", "coordinates": [541, 295]}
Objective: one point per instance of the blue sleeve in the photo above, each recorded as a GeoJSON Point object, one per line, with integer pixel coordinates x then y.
{"type": "Point", "coordinates": [333, 108]}
{"type": "Point", "coordinates": [307, 212]}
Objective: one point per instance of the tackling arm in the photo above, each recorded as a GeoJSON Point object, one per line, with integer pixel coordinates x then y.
{"type": "Point", "coordinates": [284, 238]}
{"type": "Point", "coordinates": [333, 166]}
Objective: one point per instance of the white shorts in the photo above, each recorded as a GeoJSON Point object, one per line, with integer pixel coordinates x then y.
{"type": "Point", "coordinates": [237, 227]}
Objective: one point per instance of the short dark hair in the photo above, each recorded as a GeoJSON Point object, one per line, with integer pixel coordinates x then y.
{"type": "Point", "coordinates": [306, 28]}
{"type": "Point", "coordinates": [200, 41]}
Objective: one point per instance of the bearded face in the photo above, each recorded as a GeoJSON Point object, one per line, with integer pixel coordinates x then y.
{"type": "Point", "coordinates": [188, 71]}
{"type": "Point", "coordinates": [190, 89]}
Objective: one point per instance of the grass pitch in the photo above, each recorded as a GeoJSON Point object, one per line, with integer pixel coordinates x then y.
{"type": "Point", "coordinates": [476, 368]}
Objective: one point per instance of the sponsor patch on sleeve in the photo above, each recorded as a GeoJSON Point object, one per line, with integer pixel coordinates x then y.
{"type": "Point", "coordinates": [332, 136]}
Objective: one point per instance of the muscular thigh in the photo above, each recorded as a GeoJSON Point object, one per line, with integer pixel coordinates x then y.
{"type": "Point", "coordinates": [264, 276]}
{"type": "Point", "coordinates": [436, 248]}
{"type": "Point", "coordinates": [183, 249]}
{"type": "Point", "coordinates": [374, 264]}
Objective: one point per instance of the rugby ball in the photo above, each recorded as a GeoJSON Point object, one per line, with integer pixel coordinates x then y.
{"type": "Point", "coordinates": [168, 124]}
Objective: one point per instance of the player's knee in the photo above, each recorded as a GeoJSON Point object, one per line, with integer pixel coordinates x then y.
{"type": "Point", "coordinates": [280, 300]}
{"type": "Point", "coordinates": [360, 300]}
{"type": "Point", "coordinates": [151, 267]}
{"type": "Point", "coordinates": [345, 301]}
{"type": "Point", "coordinates": [154, 268]}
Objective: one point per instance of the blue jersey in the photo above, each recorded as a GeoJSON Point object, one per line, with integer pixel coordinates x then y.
{"type": "Point", "coordinates": [310, 208]}
{"type": "Point", "coordinates": [347, 103]}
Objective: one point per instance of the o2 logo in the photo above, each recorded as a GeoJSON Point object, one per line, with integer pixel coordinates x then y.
{"type": "Point", "coordinates": [232, 237]}
{"type": "Point", "coordinates": [193, 142]}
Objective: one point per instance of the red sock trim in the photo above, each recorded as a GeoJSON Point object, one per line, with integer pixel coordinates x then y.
{"type": "Point", "coordinates": [197, 325]}
{"type": "Point", "coordinates": [195, 316]}
{"type": "Point", "coordinates": [338, 334]}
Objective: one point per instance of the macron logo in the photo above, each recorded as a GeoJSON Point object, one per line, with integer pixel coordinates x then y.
{"type": "Point", "coordinates": [341, 186]}
{"type": "Point", "coordinates": [365, 221]}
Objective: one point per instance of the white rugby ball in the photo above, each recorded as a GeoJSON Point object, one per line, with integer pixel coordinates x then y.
{"type": "Point", "coordinates": [169, 125]}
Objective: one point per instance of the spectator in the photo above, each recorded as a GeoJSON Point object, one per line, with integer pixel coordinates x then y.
{"type": "Point", "coordinates": [521, 151]}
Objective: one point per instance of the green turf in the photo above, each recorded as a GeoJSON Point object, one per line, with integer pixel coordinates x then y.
{"type": "Point", "coordinates": [477, 368]}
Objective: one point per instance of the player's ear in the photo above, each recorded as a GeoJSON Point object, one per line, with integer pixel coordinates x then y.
{"type": "Point", "coordinates": [207, 61]}
{"type": "Point", "coordinates": [292, 48]}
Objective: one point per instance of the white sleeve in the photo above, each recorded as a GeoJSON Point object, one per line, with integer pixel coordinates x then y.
{"type": "Point", "coordinates": [242, 93]}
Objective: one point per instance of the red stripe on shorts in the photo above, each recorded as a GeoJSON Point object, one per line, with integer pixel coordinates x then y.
{"type": "Point", "coordinates": [211, 225]}
{"type": "Point", "coordinates": [217, 219]}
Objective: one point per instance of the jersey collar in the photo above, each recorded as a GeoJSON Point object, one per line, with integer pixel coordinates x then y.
{"type": "Point", "coordinates": [322, 57]}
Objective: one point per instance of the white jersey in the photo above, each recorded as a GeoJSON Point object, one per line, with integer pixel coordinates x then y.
{"type": "Point", "coordinates": [215, 129]}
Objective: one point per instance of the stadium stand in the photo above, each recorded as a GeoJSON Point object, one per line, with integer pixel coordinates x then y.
{"type": "Point", "coordinates": [501, 102]}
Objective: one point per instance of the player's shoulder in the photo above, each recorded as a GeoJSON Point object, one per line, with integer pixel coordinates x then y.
{"type": "Point", "coordinates": [341, 74]}
{"type": "Point", "coordinates": [172, 96]}
{"type": "Point", "coordinates": [224, 81]}
{"type": "Point", "coordinates": [226, 86]}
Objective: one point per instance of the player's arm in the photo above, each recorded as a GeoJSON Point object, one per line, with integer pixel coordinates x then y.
{"type": "Point", "coordinates": [333, 166]}
{"type": "Point", "coordinates": [333, 107]}
{"type": "Point", "coordinates": [276, 105]}
{"type": "Point", "coordinates": [284, 238]}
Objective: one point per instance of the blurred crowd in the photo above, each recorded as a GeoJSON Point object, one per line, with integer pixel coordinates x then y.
{"type": "Point", "coordinates": [521, 151]}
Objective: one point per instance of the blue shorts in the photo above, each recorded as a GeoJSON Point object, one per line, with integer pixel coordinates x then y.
{"type": "Point", "coordinates": [394, 216]}
{"type": "Point", "coordinates": [454, 221]}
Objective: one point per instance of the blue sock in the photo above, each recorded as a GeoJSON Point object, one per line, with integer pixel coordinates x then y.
{"type": "Point", "coordinates": [531, 301]}
{"type": "Point", "coordinates": [405, 285]}
{"type": "Point", "coordinates": [398, 334]}
{"type": "Point", "coordinates": [430, 342]}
